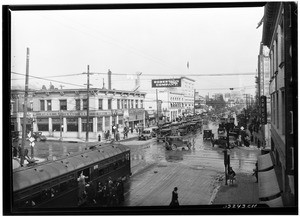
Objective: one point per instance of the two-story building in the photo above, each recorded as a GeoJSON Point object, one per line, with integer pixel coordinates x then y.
{"type": "Point", "coordinates": [64, 111]}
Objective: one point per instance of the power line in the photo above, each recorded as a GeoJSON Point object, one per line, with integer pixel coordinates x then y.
{"type": "Point", "coordinates": [61, 82]}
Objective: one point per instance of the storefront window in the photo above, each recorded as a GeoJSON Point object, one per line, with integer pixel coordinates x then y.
{"type": "Point", "coordinates": [84, 125]}
{"type": "Point", "coordinates": [107, 122]}
{"type": "Point", "coordinates": [99, 124]}
{"type": "Point", "coordinates": [56, 122]}
{"type": "Point", "coordinates": [43, 124]}
{"type": "Point", "coordinates": [72, 124]}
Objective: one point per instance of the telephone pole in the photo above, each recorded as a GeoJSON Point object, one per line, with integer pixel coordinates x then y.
{"type": "Point", "coordinates": [157, 117]}
{"type": "Point", "coordinates": [25, 109]}
{"type": "Point", "coordinates": [88, 104]}
{"type": "Point", "coordinates": [194, 101]}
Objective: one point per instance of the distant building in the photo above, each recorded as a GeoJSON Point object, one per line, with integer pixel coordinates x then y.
{"type": "Point", "coordinates": [175, 101]}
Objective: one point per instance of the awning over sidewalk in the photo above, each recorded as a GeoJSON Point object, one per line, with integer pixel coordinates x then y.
{"type": "Point", "coordinates": [265, 162]}
{"type": "Point", "coordinates": [277, 202]}
{"type": "Point", "coordinates": [268, 185]}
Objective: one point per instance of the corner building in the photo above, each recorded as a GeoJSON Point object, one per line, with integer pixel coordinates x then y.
{"type": "Point", "coordinates": [52, 109]}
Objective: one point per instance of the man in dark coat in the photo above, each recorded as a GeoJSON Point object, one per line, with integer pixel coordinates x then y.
{"type": "Point", "coordinates": [174, 201]}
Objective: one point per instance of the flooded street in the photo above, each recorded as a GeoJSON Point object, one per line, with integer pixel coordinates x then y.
{"type": "Point", "coordinates": [195, 172]}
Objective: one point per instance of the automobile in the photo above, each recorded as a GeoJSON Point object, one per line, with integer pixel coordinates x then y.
{"type": "Point", "coordinates": [162, 134]}
{"type": "Point", "coordinates": [38, 136]}
{"type": "Point", "coordinates": [221, 141]}
{"type": "Point", "coordinates": [145, 135]}
{"type": "Point", "coordinates": [207, 134]}
{"type": "Point", "coordinates": [154, 131]}
{"type": "Point", "coordinates": [174, 142]}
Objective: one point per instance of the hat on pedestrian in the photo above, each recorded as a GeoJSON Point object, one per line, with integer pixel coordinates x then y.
{"type": "Point", "coordinates": [175, 188]}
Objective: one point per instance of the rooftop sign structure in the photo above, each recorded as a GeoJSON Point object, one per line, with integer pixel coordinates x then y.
{"type": "Point", "coordinates": [175, 82]}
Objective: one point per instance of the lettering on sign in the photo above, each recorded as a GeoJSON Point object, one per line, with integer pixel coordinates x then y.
{"type": "Point", "coordinates": [176, 82]}
{"type": "Point", "coordinates": [263, 108]}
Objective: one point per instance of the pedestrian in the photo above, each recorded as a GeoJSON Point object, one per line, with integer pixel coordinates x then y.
{"type": "Point", "coordinates": [117, 136]}
{"type": "Point", "coordinates": [19, 150]}
{"type": "Point", "coordinates": [174, 201]}
{"type": "Point", "coordinates": [256, 172]}
{"type": "Point", "coordinates": [15, 151]}
{"type": "Point", "coordinates": [231, 174]}
{"type": "Point", "coordinates": [81, 184]}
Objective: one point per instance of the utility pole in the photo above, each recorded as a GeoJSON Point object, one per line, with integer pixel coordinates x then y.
{"type": "Point", "coordinates": [25, 109]}
{"type": "Point", "coordinates": [88, 103]}
{"type": "Point", "coordinates": [194, 101]}
{"type": "Point", "coordinates": [157, 106]}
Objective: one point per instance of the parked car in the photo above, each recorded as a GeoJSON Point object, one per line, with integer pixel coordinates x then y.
{"type": "Point", "coordinates": [145, 135]}
{"type": "Point", "coordinates": [38, 136]}
{"type": "Point", "coordinates": [174, 142]}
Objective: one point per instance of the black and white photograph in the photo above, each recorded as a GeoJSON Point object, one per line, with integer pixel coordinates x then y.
{"type": "Point", "coordinates": [145, 108]}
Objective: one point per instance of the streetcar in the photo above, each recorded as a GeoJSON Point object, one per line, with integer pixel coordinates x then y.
{"type": "Point", "coordinates": [54, 184]}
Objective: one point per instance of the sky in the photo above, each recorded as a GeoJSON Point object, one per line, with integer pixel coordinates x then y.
{"type": "Point", "coordinates": [155, 42]}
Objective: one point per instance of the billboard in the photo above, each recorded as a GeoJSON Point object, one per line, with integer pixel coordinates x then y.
{"type": "Point", "coordinates": [175, 82]}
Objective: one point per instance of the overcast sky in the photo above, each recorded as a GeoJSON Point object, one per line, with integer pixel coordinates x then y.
{"type": "Point", "coordinates": [158, 43]}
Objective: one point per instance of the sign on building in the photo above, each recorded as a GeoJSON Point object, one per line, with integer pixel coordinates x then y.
{"type": "Point", "coordinates": [175, 82]}
{"type": "Point", "coordinates": [263, 109]}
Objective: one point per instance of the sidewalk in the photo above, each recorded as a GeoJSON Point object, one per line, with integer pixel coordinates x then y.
{"type": "Point", "coordinates": [243, 191]}
{"type": "Point", "coordinates": [131, 136]}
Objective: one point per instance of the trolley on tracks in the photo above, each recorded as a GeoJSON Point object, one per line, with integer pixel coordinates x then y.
{"type": "Point", "coordinates": [54, 184]}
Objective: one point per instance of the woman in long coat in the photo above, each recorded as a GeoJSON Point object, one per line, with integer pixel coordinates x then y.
{"type": "Point", "coordinates": [174, 201]}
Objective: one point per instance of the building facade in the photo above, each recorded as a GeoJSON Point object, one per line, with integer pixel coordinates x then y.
{"type": "Point", "coordinates": [64, 112]}
{"type": "Point", "coordinates": [280, 36]}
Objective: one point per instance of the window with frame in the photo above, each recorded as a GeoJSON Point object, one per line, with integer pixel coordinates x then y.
{"type": "Point", "coordinates": [56, 122]}
{"type": "Point", "coordinates": [43, 124]}
{"type": "Point", "coordinates": [125, 103]}
{"type": "Point", "coordinates": [42, 105]}
{"type": "Point", "coordinates": [77, 104]}
{"type": "Point", "coordinates": [100, 123]}
{"type": "Point", "coordinates": [100, 104]}
{"type": "Point", "coordinates": [109, 103]}
{"type": "Point", "coordinates": [136, 104]}
{"type": "Point", "coordinates": [63, 104]}
{"type": "Point", "coordinates": [132, 103]}
{"type": "Point", "coordinates": [84, 125]}
{"type": "Point", "coordinates": [84, 104]}
{"type": "Point", "coordinates": [49, 105]}
{"type": "Point", "coordinates": [72, 124]}
{"type": "Point", "coordinates": [142, 105]}
{"type": "Point", "coordinates": [118, 104]}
